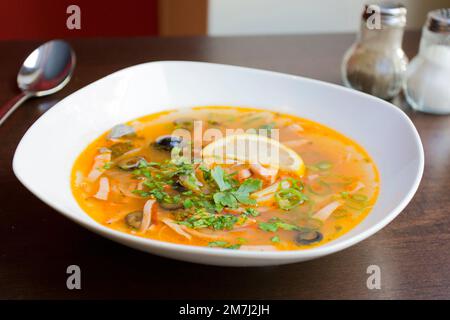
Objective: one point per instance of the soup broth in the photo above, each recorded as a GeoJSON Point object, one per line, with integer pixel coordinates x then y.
{"type": "Point", "coordinates": [146, 179]}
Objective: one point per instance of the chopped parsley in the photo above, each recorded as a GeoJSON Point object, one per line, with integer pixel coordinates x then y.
{"type": "Point", "coordinates": [268, 227]}
{"type": "Point", "coordinates": [268, 126]}
{"type": "Point", "coordinates": [251, 212]}
{"type": "Point", "coordinates": [231, 197]}
{"type": "Point", "coordinates": [241, 240]}
{"type": "Point", "coordinates": [162, 181]}
{"type": "Point", "coordinates": [225, 199]}
{"type": "Point", "coordinates": [275, 239]}
{"type": "Point", "coordinates": [219, 177]}
{"type": "Point", "coordinates": [274, 224]}
{"type": "Point", "coordinates": [224, 244]}
{"type": "Point", "coordinates": [204, 219]}
{"type": "Point", "coordinates": [107, 165]}
{"type": "Point", "coordinates": [188, 203]}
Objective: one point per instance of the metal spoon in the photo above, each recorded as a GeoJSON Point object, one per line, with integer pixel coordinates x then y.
{"type": "Point", "coordinates": [45, 71]}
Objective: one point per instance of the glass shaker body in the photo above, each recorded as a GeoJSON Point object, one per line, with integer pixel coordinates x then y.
{"type": "Point", "coordinates": [376, 62]}
{"type": "Point", "coordinates": [427, 84]}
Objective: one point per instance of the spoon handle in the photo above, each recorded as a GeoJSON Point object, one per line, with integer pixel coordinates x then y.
{"type": "Point", "coordinates": [8, 108]}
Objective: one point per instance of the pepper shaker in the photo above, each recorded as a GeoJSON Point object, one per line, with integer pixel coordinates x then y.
{"type": "Point", "coordinates": [376, 62]}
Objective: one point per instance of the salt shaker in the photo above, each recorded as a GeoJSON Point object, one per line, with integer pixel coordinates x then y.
{"type": "Point", "coordinates": [427, 85]}
{"type": "Point", "coordinates": [376, 62]}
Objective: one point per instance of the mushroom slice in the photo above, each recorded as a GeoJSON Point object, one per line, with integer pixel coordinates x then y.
{"type": "Point", "coordinates": [131, 163]}
{"type": "Point", "coordinates": [120, 148]}
{"type": "Point", "coordinates": [134, 219]}
{"type": "Point", "coordinates": [170, 206]}
{"type": "Point", "coordinates": [121, 130]}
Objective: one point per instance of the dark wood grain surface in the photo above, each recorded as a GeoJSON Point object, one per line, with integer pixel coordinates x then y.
{"type": "Point", "coordinates": [37, 244]}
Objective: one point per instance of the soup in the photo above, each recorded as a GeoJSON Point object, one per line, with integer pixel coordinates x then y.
{"type": "Point", "coordinates": [226, 177]}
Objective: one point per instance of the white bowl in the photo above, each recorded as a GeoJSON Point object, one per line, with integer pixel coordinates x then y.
{"type": "Point", "coordinates": [45, 155]}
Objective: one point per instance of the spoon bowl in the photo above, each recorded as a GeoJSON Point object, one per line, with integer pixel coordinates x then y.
{"type": "Point", "coordinates": [45, 71]}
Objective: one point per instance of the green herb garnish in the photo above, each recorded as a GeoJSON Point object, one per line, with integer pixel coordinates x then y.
{"type": "Point", "coordinates": [275, 239]}
{"type": "Point", "coordinates": [289, 198]}
{"type": "Point", "coordinates": [251, 212]}
{"type": "Point", "coordinates": [218, 175]}
{"type": "Point", "coordinates": [108, 165]}
{"type": "Point", "coordinates": [229, 196]}
{"type": "Point", "coordinates": [204, 219]}
{"type": "Point", "coordinates": [274, 224]}
{"type": "Point", "coordinates": [224, 244]}
{"type": "Point", "coordinates": [225, 199]}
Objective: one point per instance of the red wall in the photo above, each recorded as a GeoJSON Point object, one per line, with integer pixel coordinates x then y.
{"type": "Point", "coordinates": [46, 19]}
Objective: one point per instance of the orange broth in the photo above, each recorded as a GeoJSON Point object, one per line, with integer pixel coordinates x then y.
{"type": "Point", "coordinates": [338, 171]}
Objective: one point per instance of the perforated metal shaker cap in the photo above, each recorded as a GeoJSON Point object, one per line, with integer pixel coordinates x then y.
{"type": "Point", "coordinates": [439, 20]}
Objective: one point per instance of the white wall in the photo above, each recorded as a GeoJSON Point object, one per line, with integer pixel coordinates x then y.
{"type": "Point", "coordinates": [248, 17]}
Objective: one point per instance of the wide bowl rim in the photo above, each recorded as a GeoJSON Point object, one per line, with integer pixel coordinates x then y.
{"type": "Point", "coordinates": [294, 255]}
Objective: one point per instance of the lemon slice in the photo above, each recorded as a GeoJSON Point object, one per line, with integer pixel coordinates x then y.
{"type": "Point", "coordinates": [253, 148]}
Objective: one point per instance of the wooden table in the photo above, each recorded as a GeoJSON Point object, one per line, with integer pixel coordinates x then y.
{"type": "Point", "coordinates": [37, 244]}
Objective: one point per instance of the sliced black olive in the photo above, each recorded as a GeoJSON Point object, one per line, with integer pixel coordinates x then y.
{"type": "Point", "coordinates": [179, 188]}
{"type": "Point", "coordinates": [131, 163]}
{"type": "Point", "coordinates": [308, 237]}
{"type": "Point", "coordinates": [121, 130]}
{"type": "Point", "coordinates": [134, 219]}
{"type": "Point", "coordinates": [184, 123]}
{"type": "Point", "coordinates": [120, 148]}
{"type": "Point", "coordinates": [167, 143]}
